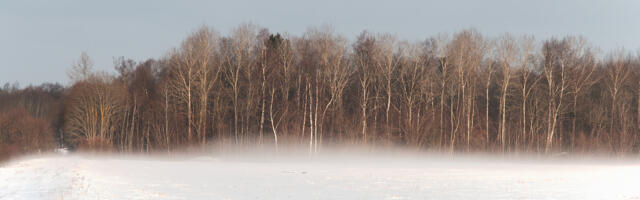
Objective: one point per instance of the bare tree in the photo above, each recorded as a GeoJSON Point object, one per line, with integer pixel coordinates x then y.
{"type": "Point", "coordinates": [554, 69]}
{"type": "Point", "coordinates": [333, 70]}
{"type": "Point", "coordinates": [208, 70]}
{"type": "Point", "coordinates": [81, 70]}
{"type": "Point", "coordinates": [507, 53]}
{"type": "Point", "coordinates": [192, 75]}
{"type": "Point", "coordinates": [617, 73]}
{"type": "Point", "coordinates": [92, 113]}
{"type": "Point", "coordinates": [444, 76]}
{"type": "Point", "coordinates": [466, 52]}
{"type": "Point", "coordinates": [489, 70]}
{"type": "Point", "coordinates": [581, 74]}
{"type": "Point", "coordinates": [526, 84]}
{"type": "Point", "coordinates": [365, 49]}
{"type": "Point", "coordinates": [387, 67]}
{"type": "Point", "coordinates": [411, 75]}
{"type": "Point", "coordinates": [237, 60]}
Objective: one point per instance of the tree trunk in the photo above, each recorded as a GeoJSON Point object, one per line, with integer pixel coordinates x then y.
{"type": "Point", "coordinates": [273, 126]}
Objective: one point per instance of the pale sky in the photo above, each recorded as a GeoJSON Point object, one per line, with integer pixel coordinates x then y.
{"type": "Point", "coordinates": [40, 39]}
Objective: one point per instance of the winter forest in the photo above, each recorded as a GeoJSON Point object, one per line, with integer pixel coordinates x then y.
{"type": "Point", "coordinates": [459, 92]}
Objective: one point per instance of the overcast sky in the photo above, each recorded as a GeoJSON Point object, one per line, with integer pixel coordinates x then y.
{"type": "Point", "coordinates": [40, 39]}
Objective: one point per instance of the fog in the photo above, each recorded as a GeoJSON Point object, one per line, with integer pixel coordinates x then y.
{"type": "Point", "coordinates": [361, 173]}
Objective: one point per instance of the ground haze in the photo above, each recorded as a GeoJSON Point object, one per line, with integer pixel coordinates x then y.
{"type": "Point", "coordinates": [393, 176]}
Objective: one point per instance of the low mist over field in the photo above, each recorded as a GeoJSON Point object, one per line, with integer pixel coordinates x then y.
{"type": "Point", "coordinates": [261, 115]}
{"type": "Point", "coordinates": [289, 99]}
{"type": "Point", "coordinates": [336, 175]}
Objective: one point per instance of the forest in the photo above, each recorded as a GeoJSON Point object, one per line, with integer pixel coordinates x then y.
{"type": "Point", "coordinates": [460, 92]}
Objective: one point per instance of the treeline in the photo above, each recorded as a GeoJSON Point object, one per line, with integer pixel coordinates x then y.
{"type": "Point", "coordinates": [29, 118]}
{"type": "Point", "coordinates": [459, 92]}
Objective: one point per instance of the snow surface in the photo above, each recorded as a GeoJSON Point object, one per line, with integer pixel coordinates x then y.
{"type": "Point", "coordinates": [99, 177]}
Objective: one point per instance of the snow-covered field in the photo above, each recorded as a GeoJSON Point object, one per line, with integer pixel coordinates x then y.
{"type": "Point", "coordinates": [344, 177]}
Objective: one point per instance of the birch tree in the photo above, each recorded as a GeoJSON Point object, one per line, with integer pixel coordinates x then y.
{"type": "Point", "coordinates": [554, 69]}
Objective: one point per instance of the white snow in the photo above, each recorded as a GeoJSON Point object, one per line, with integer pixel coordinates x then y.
{"type": "Point", "coordinates": [98, 177]}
